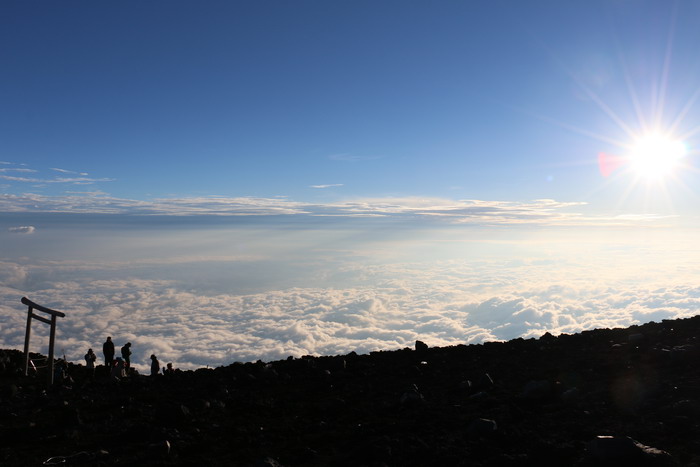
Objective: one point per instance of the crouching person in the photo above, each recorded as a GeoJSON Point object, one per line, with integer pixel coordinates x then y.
{"type": "Point", "coordinates": [118, 370]}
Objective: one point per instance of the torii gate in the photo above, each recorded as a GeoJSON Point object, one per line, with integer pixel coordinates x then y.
{"type": "Point", "coordinates": [52, 322]}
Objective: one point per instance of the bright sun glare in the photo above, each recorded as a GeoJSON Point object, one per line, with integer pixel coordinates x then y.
{"type": "Point", "coordinates": [655, 156]}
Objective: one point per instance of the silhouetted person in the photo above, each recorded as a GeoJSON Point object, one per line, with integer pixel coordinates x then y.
{"type": "Point", "coordinates": [90, 358]}
{"type": "Point", "coordinates": [155, 365]}
{"type": "Point", "coordinates": [60, 375]}
{"type": "Point", "coordinates": [108, 350]}
{"type": "Point", "coordinates": [118, 371]}
{"type": "Point", "coordinates": [169, 370]}
{"type": "Point", "coordinates": [126, 354]}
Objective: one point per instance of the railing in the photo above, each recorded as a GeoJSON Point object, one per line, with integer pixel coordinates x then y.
{"type": "Point", "coordinates": [52, 337]}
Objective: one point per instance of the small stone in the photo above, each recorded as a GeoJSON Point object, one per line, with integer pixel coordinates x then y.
{"type": "Point", "coordinates": [412, 397]}
{"type": "Point", "coordinates": [10, 391]}
{"type": "Point", "coordinates": [682, 353]}
{"type": "Point", "coordinates": [485, 382]}
{"type": "Point", "coordinates": [202, 404]}
{"type": "Point", "coordinates": [686, 407]}
{"type": "Point", "coordinates": [636, 338]}
{"type": "Point", "coordinates": [268, 462]}
{"type": "Point", "coordinates": [625, 451]}
{"type": "Point", "coordinates": [482, 427]}
{"type": "Point", "coordinates": [570, 395]}
{"type": "Point", "coordinates": [466, 384]}
{"type": "Point", "coordinates": [536, 390]}
{"type": "Point", "coordinates": [172, 413]}
{"type": "Point", "coordinates": [160, 449]}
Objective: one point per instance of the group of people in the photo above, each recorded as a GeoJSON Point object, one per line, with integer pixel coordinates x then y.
{"type": "Point", "coordinates": [120, 366]}
{"type": "Point", "coordinates": [108, 351]}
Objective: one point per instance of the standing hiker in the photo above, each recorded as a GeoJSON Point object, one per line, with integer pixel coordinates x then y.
{"type": "Point", "coordinates": [126, 354]}
{"type": "Point", "coordinates": [108, 350]}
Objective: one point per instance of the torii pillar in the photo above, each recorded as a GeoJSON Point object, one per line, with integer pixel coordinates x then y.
{"type": "Point", "coordinates": [52, 339]}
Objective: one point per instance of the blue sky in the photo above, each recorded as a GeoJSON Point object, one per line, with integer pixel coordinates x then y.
{"type": "Point", "coordinates": [396, 155]}
{"type": "Point", "coordinates": [477, 100]}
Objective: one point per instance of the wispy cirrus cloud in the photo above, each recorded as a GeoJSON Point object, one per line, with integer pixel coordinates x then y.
{"type": "Point", "coordinates": [84, 174]}
{"type": "Point", "coordinates": [21, 179]}
{"type": "Point", "coordinates": [66, 176]}
{"type": "Point", "coordinates": [6, 170]}
{"type": "Point", "coordinates": [87, 193]}
{"type": "Point", "coordinates": [68, 180]}
{"type": "Point", "coordinates": [481, 212]}
{"type": "Point", "coordinates": [81, 180]}
{"type": "Point", "coordinates": [330, 185]}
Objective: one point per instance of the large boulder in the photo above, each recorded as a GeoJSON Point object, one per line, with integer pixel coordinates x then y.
{"type": "Point", "coordinates": [623, 450]}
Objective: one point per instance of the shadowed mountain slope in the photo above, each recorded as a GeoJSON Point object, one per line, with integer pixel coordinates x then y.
{"type": "Point", "coordinates": [602, 397]}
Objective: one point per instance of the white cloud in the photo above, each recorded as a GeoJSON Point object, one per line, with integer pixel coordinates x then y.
{"type": "Point", "coordinates": [18, 170]}
{"type": "Point", "coordinates": [469, 212]}
{"type": "Point", "coordinates": [87, 193]}
{"type": "Point", "coordinates": [73, 180]}
{"type": "Point", "coordinates": [332, 185]}
{"type": "Point", "coordinates": [382, 306]}
{"type": "Point", "coordinates": [20, 179]}
{"type": "Point", "coordinates": [69, 171]}
{"type": "Point", "coordinates": [13, 274]}
{"type": "Point", "coordinates": [24, 229]}
{"type": "Point", "coordinates": [199, 294]}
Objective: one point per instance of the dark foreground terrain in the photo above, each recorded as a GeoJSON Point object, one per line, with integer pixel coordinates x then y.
{"type": "Point", "coordinates": [622, 397]}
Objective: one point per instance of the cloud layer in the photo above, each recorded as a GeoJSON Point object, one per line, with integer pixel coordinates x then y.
{"type": "Point", "coordinates": [45, 192]}
{"type": "Point", "coordinates": [479, 212]}
{"type": "Point", "coordinates": [371, 274]}
{"type": "Point", "coordinates": [441, 303]}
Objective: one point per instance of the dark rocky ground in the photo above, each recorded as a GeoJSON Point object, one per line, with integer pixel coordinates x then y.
{"type": "Point", "coordinates": [536, 402]}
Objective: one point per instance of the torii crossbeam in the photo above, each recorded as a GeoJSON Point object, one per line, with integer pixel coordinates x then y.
{"type": "Point", "coordinates": [52, 322]}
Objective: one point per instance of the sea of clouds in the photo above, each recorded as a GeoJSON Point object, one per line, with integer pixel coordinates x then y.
{"type": "Point", "coordinates": [272, 279]}
{"type": "Point", "coordinates": [196, 317]}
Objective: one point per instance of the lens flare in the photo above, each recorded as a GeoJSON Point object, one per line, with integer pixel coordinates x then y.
{"type": "Point", "coordinates": [608, 163]}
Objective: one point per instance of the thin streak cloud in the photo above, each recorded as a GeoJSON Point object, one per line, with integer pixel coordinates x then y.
{"type": "Point", "coordinates": [18, 170]}
{"type": "Point", "coordinates": [477, 212]}
{"type": "Point", "coordinates": [72, 180]}
{"type": "Point", "coordinates": [84, 174]}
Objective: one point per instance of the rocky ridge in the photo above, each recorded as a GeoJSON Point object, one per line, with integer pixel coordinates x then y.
{"type": "Point", "coordinates": [602, 397]}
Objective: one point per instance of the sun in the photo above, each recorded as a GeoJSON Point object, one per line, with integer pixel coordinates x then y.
{"type": "Point", "coordinates": [655, 156]}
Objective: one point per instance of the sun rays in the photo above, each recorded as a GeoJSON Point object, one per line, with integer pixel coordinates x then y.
{"type": "Point", "coordinates": [650, 145]}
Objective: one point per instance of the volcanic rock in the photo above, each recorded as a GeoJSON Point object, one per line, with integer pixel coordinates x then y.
{"type": "Point", "coordinates": [533, 402]}
{"type": "Point", "coordinates": [616, 450]}
{"type": "Point", "coordinates": [536, 390]}
{"type": "Point", "coordinates": [482, 427]}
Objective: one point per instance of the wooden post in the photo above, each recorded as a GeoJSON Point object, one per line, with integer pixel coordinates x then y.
{"type": "Point", "coordinates": [27, 335]}
{"type": "Point", "coordinates": [52, 340]}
